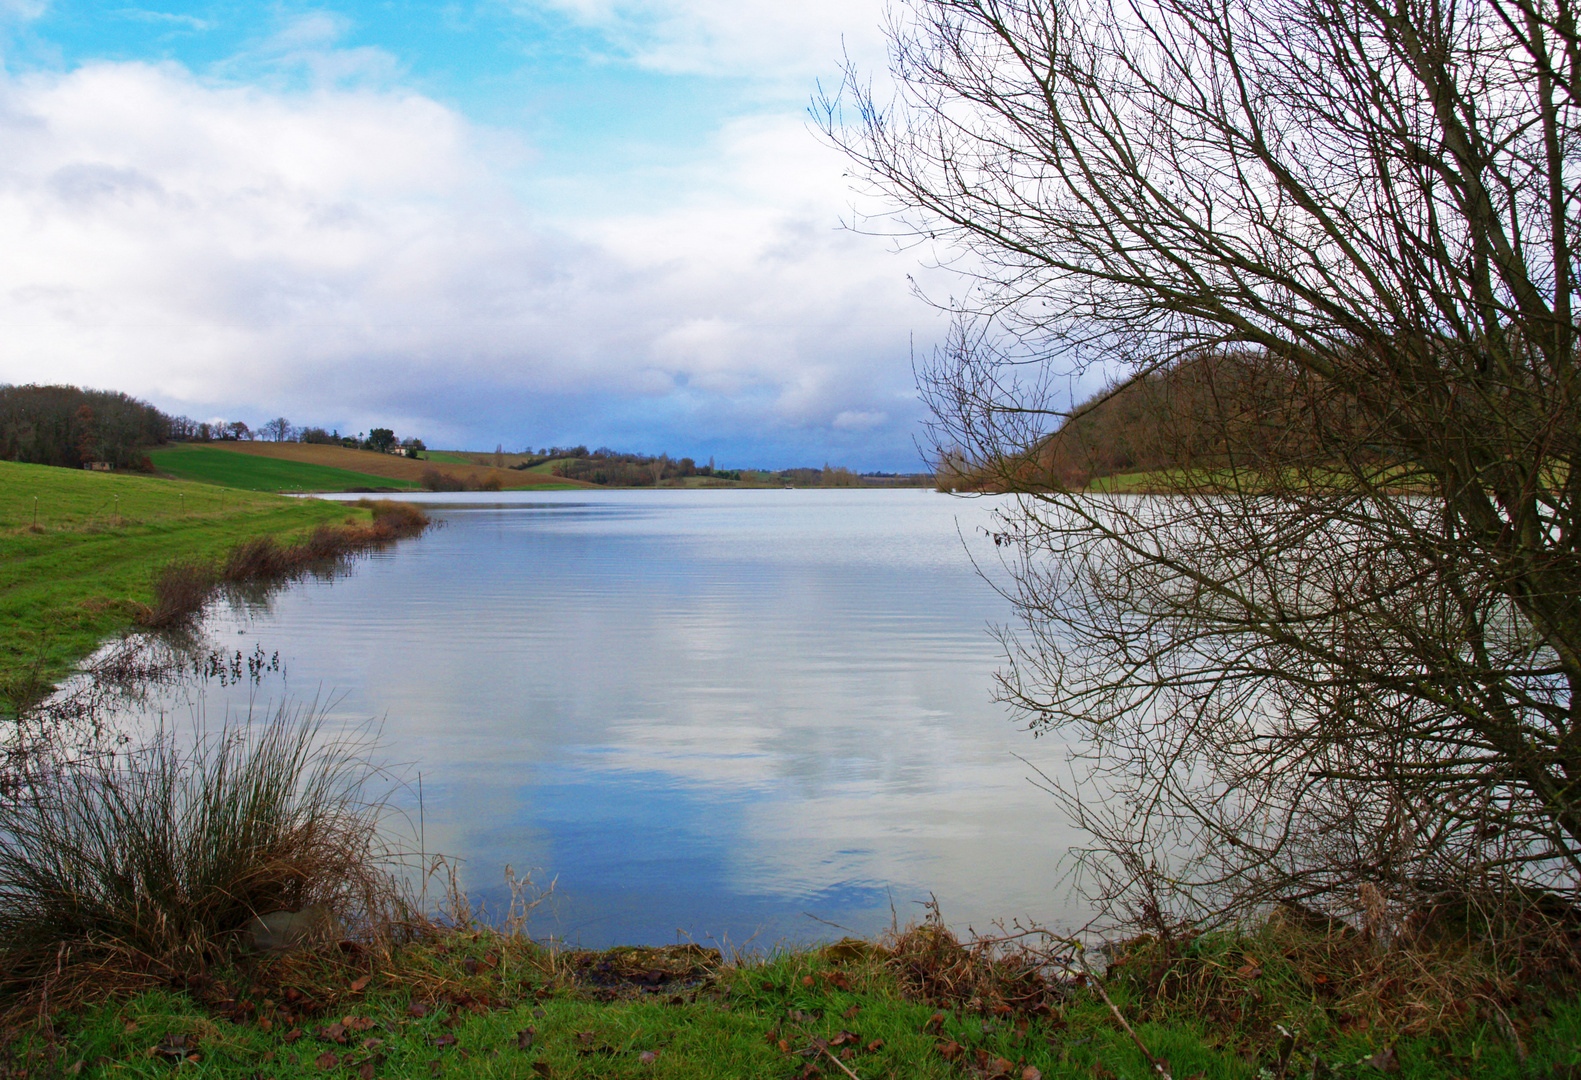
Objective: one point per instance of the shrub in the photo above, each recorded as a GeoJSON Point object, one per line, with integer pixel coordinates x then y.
{"type": "Point", "coordinates": [181, 588]}
{"type": "Point", "coordinates": [396, 519]}
{"type": "Point", "coordinates": [434, 480]}
{"type": "Point", "coordinates": [153, 861]}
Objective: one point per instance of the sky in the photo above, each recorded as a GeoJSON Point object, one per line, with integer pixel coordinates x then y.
{"type": "Point", "coordinates": [504, 222]}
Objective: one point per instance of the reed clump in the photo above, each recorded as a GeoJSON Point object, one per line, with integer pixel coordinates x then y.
{"type": "Point", "coordinates": [182, 588]}
{"type": "Point", "coordinates": [121, 870]}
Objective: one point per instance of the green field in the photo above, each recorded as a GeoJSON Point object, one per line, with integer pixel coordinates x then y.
{"type": "Point", "coordinates": [78, 549]}
{"type": "Point", "coordinates": [247, 472]}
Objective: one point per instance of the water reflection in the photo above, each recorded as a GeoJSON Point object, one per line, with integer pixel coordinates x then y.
{"type": "Point", "coordinates": [709, 713]}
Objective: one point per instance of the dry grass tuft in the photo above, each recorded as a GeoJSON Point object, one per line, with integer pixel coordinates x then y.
{"type": "Point", "coordinates": [181, 589]}
{"type": "Point", "coordinates": [1433, 975]}
{"type": "Point", "coordinates": [122, 870]}
{"type": "Point", "coordinates": [1021, 972]}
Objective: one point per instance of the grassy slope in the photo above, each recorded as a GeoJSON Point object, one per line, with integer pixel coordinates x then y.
{"type": "Point", "coordinates": [756, 1019]}
{"type": "Point", "coordinates": [101, 536]}
{"type": "Point", "coordinates": [211, 465]}
{"type": "Point", "coordinates": [389, 470]}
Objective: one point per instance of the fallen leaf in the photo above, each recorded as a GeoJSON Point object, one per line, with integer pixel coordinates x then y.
{"type": "Point", "coordinates": [372, 1044]}
{"type": "Point", "coordinates": [808, 980]}
{"type": "Point", "coordinates": [850, 1013]}
{"type": "Point", "coordinates": [293, 1035]}
{"type": "Point", "coordinates": [1031, 1073]}
{"type": "Point", "coordinates": [327, 1060]}
{"type": "Point", "coordinates": [950, 1050]}
{"type": "Point", "coordinates": [542, 1068]}
{"type": "Point", "coordinates": [583, 1039]}
{"type": "Point", "coordinates": [335, 1033]}
{"type": "Point", "coordinates": [357, 1023]}
{"type": "Point", "coordinates": [524, 1038]}
{"type": "Point", "coordinates": [265, 1024]}
{"type": "Point", "coordinates": [936, 1021]}
{"type": "Point", "coordinates": [435, 1067]}
{"type": "Point", "coordinates": [876, 1044]}
{"type": "Point", "coordinates": [443, 1041]}
{"type": "Point", "coordinates": [843, 1037]}
{"type": "Point", "coordinates": [417, 1009]}
{"type": "Point", "coordinates": [1384, 1060]}
{"type": "Point", "coordinates": [647, 1057]}
{"type": "Point", "coordinates": [784, 1047]}
{"type": "Point", "coordinates": [847, 1054]}
{"type": "Point", "coordinates": [360, 984]}
{"type": "Point", "coordinates": [366, 1070]}
{"type": "Point", "coordinates": [839, 980]}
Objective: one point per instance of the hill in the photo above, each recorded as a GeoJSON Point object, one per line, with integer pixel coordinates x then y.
{"type": "Point", "coordinates": [291, 466]}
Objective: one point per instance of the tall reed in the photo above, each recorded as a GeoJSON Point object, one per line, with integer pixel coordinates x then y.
{"type": "Point", "coordinates": [155, 860]}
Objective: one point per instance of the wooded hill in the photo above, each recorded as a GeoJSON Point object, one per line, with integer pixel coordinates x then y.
{"type": "Point", "coordinates": [1241, 409]}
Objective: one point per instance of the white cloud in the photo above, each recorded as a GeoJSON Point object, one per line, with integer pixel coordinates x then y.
{"type": "Point", "coordinates": [190, 22]}
{"type": "Point", "coordinates": [358, 255]}
{"type": "Point", "coordinates": [852, 420]}
{"type": "Point", "coordinates": [763, 39]}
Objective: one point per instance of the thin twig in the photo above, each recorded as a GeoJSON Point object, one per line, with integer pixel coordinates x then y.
{"type": "Point", "coordinates": [1158, 1064]}
{"type": "Point", "coordinates": [843, 1066]}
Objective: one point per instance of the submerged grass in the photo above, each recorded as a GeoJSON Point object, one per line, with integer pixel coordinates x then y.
{"type": "Point", "coordinates": [183, 587]}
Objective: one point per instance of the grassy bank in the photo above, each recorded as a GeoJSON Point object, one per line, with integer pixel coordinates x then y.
{"type": "Point", "coordinates": [476, 1003]}
{"type": "Point", "coordinates": [79, 552]}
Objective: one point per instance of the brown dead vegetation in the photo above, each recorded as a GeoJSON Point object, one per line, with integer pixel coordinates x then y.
{"type": "Point", "coordinates": [182, 588]}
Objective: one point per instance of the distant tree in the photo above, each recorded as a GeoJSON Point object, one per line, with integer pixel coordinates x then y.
{"type": "Point", "coordinates": [381, 439]}
{"type": "Point", "coordinates": [279, 430]}
{"type": "Point", "coordinates": [317, 435]}
{"type": "Point", "coordinates": [238, 430]}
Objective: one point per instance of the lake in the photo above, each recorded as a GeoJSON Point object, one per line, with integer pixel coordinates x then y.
{"type": "Point", "coordinates": [725, 716]}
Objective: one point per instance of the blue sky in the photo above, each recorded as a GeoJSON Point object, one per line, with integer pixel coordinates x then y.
{"type": "Point", "coordinates": [524, 222]}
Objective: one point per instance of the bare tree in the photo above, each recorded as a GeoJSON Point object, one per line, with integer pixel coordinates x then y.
{"type": "Point", "coordinates": [279, 430]}
{"type": "Point", "coordinates": [1343, 650]}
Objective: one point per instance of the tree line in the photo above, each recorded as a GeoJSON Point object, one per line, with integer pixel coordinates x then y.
{"type": "Point", "coordinates": [71, 427]}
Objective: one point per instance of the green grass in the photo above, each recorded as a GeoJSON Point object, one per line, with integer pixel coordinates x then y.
{"type": "Point", "coordinates": [100, 538]}
{"type": "Point", "coordinates": [251, 473]}
{"type": "Point", "coordinates": [759, 1018]}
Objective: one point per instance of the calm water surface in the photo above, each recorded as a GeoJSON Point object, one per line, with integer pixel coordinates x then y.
{"type": "Point", "coordinates": [721, 714]}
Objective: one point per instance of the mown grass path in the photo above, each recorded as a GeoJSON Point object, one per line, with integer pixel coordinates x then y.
{"type": "Point", "coordinates": [78, 551]}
